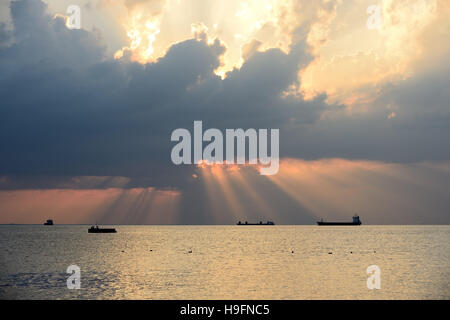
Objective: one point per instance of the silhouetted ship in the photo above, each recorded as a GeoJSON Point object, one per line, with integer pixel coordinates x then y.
{"type": "Point", "coordinates": [355, 222]}
{"type": "Point", "coordinates": [49, 222]}
{"type": "Point", "coordinates": [268, 223]}
{"type": "Point", "coordinates": [96, 229]}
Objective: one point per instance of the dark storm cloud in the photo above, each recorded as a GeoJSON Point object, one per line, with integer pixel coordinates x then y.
{"type": "Point", "coordinates": [68, 110]}
{"type": "Point", "coordinates": [418, 129]}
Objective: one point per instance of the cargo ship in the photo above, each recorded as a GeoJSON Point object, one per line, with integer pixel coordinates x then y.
{"type": "Point", "coordinates": [268, 223]}
{"type": "Point", "coordinates": [355, 222]}
{"type": "Point", "coordinates": [96, 229]}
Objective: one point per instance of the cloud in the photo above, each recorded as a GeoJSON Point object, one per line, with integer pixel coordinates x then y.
{"type": "Point", "coordinates": [355, 57]}
{"type": "Point", "coordinates": [156, 6]}
{"type": "Point", "coordinates": [105, 206]}
{"type": "Point", "coordinates": [418, 132]}
{"type": "Point", "coordinates": [301, 193]}
{"type": "Point", "coordinates": [250, 48]}
{"type": "Point", "coordinates": [73, 118]}
{"type": "Point", "coordinates": [68, 110]}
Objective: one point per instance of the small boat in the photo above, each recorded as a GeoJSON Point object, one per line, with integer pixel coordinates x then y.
{"type": "Point", "coordinates": [268, 223]}
{"type": "Point", "coordinates": [49, 222]}
{"type": "Point", "coordinates": [96, 229]}
{"type": "Point", "coordinates": [355, 222]}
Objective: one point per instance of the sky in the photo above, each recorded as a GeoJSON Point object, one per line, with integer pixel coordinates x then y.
{"type": "Point", "coordinates": [359, 90]}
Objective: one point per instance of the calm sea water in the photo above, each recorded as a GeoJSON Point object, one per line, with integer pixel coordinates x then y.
{"type": "Point", "coordinates": [225, 262]}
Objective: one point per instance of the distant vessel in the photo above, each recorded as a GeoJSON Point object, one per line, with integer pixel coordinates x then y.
{"type": "Point", "coordinates": [355, 222]}
{"type": "Point", "coordinates": [268, 223]}
{"type": "Point", "coordinates": [49, 222]}
{"type": "Point", "coordinates": [96, 229]}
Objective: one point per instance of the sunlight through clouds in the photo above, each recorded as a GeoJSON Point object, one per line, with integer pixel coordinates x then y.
{"type": "Point", "coordinates": [362, 110]}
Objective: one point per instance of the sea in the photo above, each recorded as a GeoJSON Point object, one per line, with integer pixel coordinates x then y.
{"type": "Point", "coordinates": [225, 262]}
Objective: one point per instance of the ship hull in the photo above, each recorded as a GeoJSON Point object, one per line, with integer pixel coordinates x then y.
{"type": "Point", "coordinates": [102, 231]}
{"type": "Point", "coordinates": [255, 224]}
{"type": "Point", "coordinates": [321, 223]}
